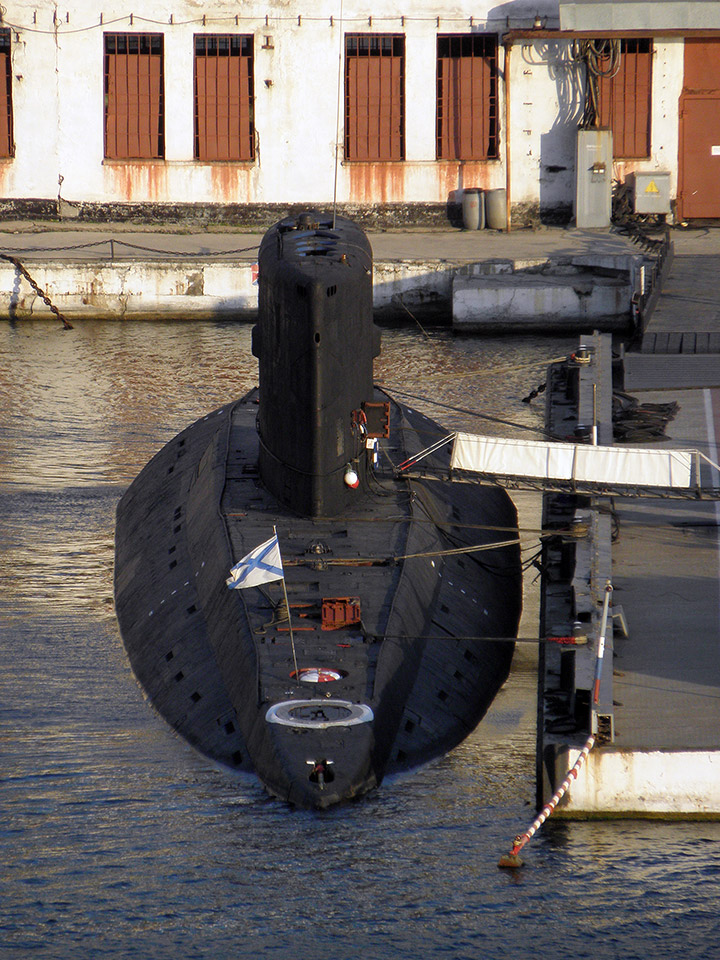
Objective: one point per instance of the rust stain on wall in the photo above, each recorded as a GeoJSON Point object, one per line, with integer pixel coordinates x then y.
{"type": "Point", "coordinates": [376, 182]}
{"type": "Point", "coordinates": [133, 180]}
{"type": "Point", "coordinates": [5, 169]}
{"type": "Point", "coordinates": [454, 176]}
{"type": "Point", "coordinates": [385, 182]}
{"type": "Point", "coordinates": [231, 183]}
{"type": "Point", "coordinates": [623, 168]}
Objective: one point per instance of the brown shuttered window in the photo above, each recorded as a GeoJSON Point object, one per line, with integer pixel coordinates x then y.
{"type": "Point", "coordinates": [224, 128]}
{"type": "Point", "coordinates": [374, 96]}
{"type": "Point", "coordinates": [467, 98]}
{"type": "Point", "coordinates": [625, 100]}
{"type": "Point", "coordinates": [134, 96]}
{"type": "Point", "coordinates": [7, 146]}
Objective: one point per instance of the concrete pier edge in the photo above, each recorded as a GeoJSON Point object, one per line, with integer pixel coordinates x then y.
{"type": "Point", "coordinates": [657, 751]}
{"type": "Point", "coordinates": [126, 271]}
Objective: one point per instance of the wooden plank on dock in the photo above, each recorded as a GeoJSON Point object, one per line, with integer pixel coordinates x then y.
{"type": "Point", "coordinates": [661, 342]}
{"type": "Point", "coordinates": [674, 343]}
{"type": "Point", "coordinates": [648, 343]}
{"type": "Point", "coordinates": [688, 343]}
{"type": "Point", "coordinates": [671, 372]}
{"type": "Point", "coordinates": [702, 343]}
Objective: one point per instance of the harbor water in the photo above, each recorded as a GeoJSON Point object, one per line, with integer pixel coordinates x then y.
{"type": "Point", "coordinates": [118, 840]}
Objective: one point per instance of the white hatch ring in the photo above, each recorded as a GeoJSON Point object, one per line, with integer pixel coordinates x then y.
{"type": "Point", "coordinates": [319, 714]}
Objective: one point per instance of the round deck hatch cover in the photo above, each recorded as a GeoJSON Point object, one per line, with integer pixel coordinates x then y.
{"type": "Point", "coordinates": [319, 714]}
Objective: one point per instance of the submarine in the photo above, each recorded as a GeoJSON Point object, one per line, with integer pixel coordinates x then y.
{"type": "Point", "coordinates": [292, 602]}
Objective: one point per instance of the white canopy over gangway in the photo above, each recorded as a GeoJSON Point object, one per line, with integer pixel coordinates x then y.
{"type": "Point", "coordinates": [579, 467]}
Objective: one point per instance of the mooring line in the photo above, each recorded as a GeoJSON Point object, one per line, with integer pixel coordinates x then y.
{"type": "Point", "coordinates": [38, 290]}
{"type": "Point", "coordinates": [512, 859]}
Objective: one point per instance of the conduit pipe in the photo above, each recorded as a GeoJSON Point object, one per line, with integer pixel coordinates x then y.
{"type": "Point", "coordinates": [507, 136]}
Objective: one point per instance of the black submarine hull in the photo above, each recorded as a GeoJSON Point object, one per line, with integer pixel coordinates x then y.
{"type": "Point", "coordinates": [383, 669]}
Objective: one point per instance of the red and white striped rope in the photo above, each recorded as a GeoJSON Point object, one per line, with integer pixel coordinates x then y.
{"type": "Point", "coordinates": [511, 859]}
{"type": "Point", "coordinates": [523, 838]}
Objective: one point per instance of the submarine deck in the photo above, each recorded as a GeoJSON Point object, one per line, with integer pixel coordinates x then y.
{"type": "Point", "coordinates": [390, 574]}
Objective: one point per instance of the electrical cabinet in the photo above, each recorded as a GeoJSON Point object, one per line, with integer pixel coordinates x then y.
{"type": "Point", "coordinates": [652, 191]}
{"type": "Point", "coordinates": [593, 173]}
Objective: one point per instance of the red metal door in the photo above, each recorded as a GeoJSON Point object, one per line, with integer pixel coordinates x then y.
{"type": "Point", "coordinates": [699, 149]}
{"type": "Point", "coordinates": [699, 156]}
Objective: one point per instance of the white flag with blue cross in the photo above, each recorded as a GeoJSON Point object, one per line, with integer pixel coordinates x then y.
{"type": "Point", "coordinates": [261, 565]}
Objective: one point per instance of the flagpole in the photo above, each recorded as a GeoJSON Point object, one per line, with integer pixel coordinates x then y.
{"type": "Point", "coordinates": [287, 607]}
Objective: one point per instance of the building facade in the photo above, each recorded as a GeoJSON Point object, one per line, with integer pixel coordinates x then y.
{"type": "Point", "coordinates": [241, 110]}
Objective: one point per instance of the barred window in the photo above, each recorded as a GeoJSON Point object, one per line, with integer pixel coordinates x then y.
{"type": "Point", "coordinates": [7, 145]}
{"type": "Point", "coordinates": [625, 100]}
{"type": "Point", "coordinates": [374, 96]}
{"type": "Point", "coordinates": [224, 106]}
{"type": "Point", "coordinates": [134, 96]}
{"type": "Point", "coordinates": [467, 97]}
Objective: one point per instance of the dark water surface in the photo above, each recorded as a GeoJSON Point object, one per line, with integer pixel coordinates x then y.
{"type": "Point", "coordinates": [118, 840]}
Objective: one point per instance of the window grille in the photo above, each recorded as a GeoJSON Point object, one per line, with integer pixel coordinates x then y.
{"type": "Point", "coordinates": [374, 96]}
{"type": "Point", "coordinates": [134, 96]}
{"type": "Point", "coordinates": [7, 145]}
{"type": "Point", "coordinates": [467, 97]}
{"type": "Point", "coordinates": [625, 100]}
{"type": "Point", "coordinates": [224, 107]}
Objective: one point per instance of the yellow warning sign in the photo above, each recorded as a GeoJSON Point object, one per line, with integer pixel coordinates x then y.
{"type": "Point", "coordinates": [651, 187]}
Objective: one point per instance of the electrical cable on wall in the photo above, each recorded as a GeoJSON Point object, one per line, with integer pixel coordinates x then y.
{"type": "Point", "coordinates": [602, 61]}
{"type": "Point", "coordinates": [62, 27]}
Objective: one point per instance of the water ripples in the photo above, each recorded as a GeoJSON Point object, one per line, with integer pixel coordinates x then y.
{"type": "Point", "coordinates": [118, 840]}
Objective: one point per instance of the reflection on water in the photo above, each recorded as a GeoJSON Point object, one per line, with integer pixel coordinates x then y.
{"type": "Point", "coordinates": [118, 840]}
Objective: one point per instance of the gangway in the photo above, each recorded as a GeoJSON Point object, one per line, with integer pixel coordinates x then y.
{"type": "Point", "coordinates": [552, 466]}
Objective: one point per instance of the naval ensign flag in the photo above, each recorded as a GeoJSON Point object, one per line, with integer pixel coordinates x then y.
{"type": "Point", "coordinates": [261, 565]}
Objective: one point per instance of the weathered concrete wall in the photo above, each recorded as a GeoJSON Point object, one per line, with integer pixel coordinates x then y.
{"type": "Point", "coordinates": [547, 91]}
{"type": "Point", "coordinates": [637, 783]}
{"type": "Point", "coordinates": [193, 289]}
{"type": "Point", "coordinates": [124, 289]}
{"type": "Point", "coordinates": [58, 105]}
{"type": "Point", "coordinates": [529, 301]}
{"type": "Point", "coordinates": [492, 294]}
{"type": "Point", "coordinates": [667, 84]}
{"type": "Point", "coordinates": [546, 102]}
{"type": "Point", "coordinates": [57, 92]}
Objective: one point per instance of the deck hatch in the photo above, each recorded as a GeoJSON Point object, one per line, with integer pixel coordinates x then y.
{"type": "Point", "coordinates": [319, 714]}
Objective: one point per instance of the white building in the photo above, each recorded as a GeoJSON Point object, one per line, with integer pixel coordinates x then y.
{"type": "Point", "coordinates": [245, 109]}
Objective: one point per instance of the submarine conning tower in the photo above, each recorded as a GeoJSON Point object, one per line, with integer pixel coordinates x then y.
{"type": "Point", "coordinates": [315, 341]}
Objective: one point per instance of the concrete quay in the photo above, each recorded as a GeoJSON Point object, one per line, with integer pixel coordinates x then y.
{"type": "Point", "coordinates": [188, 271]}
{"type": "Point", "coordinates": [656, 717]}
